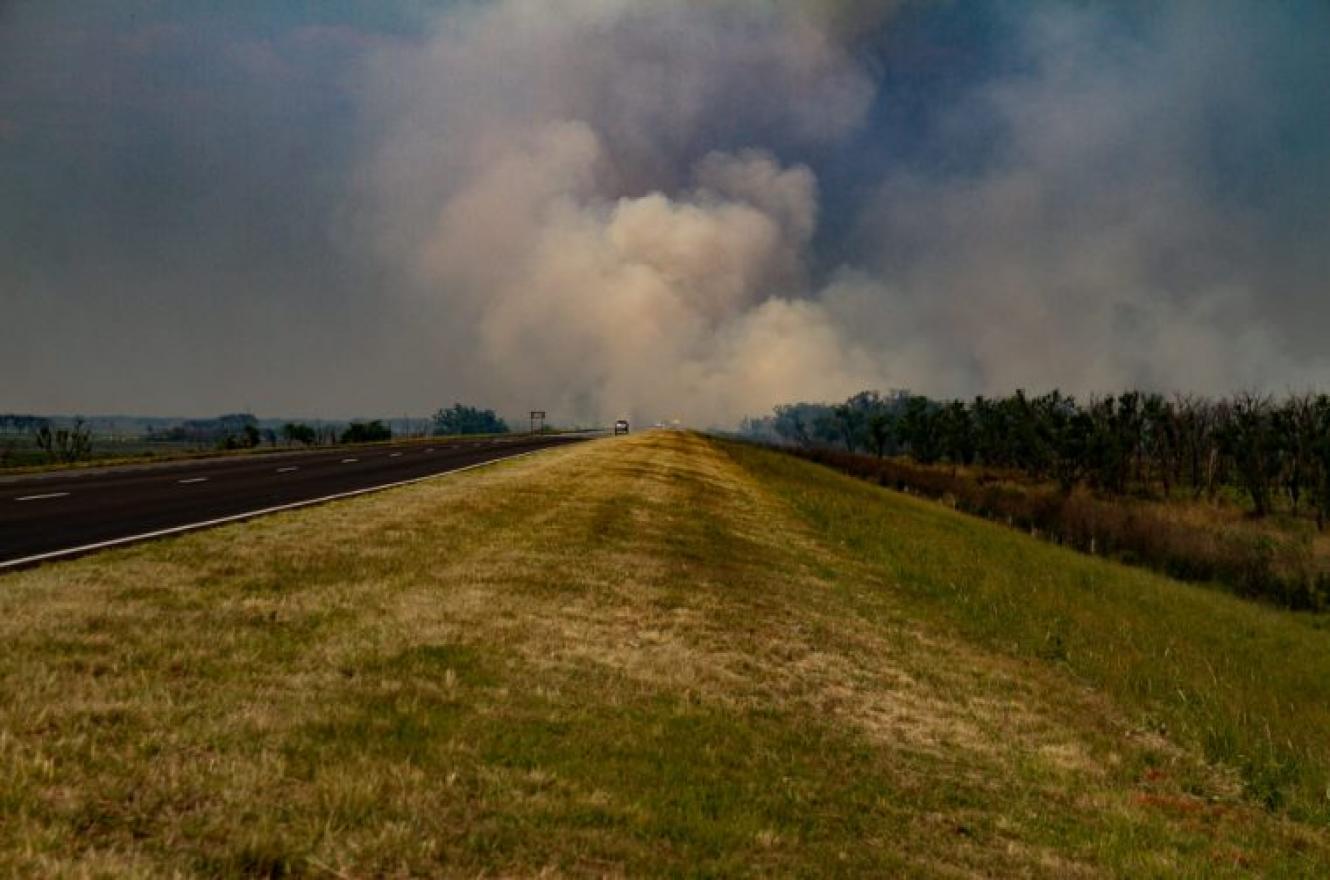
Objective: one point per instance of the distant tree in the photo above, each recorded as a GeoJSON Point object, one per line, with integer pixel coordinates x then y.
{"type": "Point", "coordinates": [848, 421]}
{"type": "Point", "coordinates": [871, 418]}
{"type": "Point", "coordinates": [1111, 444]}
{"type": "Point", "coordinates": [366, 432]}
{"type": "Point", "coordinates": [956, 433]}
{"type": "Point", "coordinates": [1163, 443]}
{"type": "Point", "coordinates": [827, 427]}
{"type": "Point", "coordinates": [1318, 430]}
{"type": "Point", "coordinates": [918, 429]}
{"type": "Point", "coordinates": [240, 435]}
{"type": "Point", "coordinates": [881, 429]}
{"type": "Point", "coordinates": [237, 423]}
{"type": "Point", "coordinates": [1252, 441]}
{"type": "Point", "coordinates": [65, 444]}
{"type": "Point", "coordinates": [761, 428]}
{"type": "Point", "coordinates": [296, 432]}
{"type": "Point", "coordinates": [1071, 440]}
{"type": "Point", "coordinates": [461, 419]}
{"type": "Point", "coordinates": [795, 422]}
{"type": "Point", "coordinates": [1295, 423]}
{"type": "Point", "coordinates": [868, 420]}
{"type": "Point", "coordinates": [989, 432]}
{"type": "Point", "coordinates": [23, 424]}
{"type": "Point", "coordinates": [1034, 418]}
{"type": "Point", "coordinates": [1198, 452]}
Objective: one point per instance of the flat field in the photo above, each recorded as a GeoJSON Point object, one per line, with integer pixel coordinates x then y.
{"type": "Point", "coordinates": [654, 655]}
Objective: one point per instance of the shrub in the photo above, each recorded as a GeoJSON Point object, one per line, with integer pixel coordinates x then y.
{"type": "Point", "coordinates": [367, 432]}
{"type": "Point", "coordinates": [459, 419]}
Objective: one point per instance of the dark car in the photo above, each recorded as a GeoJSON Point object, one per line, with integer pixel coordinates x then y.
{"type": "Point", "coordinates": [620, 427]}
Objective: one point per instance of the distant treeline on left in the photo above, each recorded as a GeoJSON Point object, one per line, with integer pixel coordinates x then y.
{"type": "Point", "coordinates": [27, 439]}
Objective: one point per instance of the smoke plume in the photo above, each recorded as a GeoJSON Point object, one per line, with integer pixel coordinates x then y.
{"type": "Point", "coordinates": [570, 181]}
{"type": "Point", "coordinates": [601, 193]}
{"type": "Point", "coordinates": [688, 209]}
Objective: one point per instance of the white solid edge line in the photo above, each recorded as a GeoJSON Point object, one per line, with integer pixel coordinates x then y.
{"type": "Point", "coordinates": [235, 517]}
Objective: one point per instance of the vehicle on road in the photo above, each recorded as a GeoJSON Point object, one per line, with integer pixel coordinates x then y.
{"type": "Point", "coordinates": [620, 427]}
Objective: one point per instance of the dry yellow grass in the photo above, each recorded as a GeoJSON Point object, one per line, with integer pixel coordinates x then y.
{"type": "Point", "coordinates": [622, 658]}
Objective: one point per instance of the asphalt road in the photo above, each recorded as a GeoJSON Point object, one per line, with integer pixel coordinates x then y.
{"type": "Point", "coordinates": [65, 513]}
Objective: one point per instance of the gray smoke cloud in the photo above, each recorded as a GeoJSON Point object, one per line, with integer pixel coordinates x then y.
{"type": "Point", "coordinates": [604, 208]}
{"type": "Point", "coordinates": [1118, 235]}
{"type": "Point", "coordinates": [550, 174]}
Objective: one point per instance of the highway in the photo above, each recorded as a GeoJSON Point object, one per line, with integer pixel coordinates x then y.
{"type": "Point", "coordinates": [69, 512]}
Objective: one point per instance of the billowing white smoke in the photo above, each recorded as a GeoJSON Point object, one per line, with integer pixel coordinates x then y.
{"type": "Point", "coordinates": [546, 171]}
{"type": "Point", "coordinates": [591, 195]}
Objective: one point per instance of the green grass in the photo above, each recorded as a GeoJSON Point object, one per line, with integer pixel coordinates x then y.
{"type": "Point", "coordinates": [656, 655]}
{"type": "Point", "coordinates": [1247, 685]}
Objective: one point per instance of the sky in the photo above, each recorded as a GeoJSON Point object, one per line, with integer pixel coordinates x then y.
{"type": "Point", "coordinates": [675, 209]}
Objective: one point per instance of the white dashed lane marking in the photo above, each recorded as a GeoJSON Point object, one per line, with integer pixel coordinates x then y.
{"type": "Point", "coordinates": [237, 517]}
{"type": "Point", "coordinates": [287, 470]}
{"type": "Point", "coordinates": [41, 497]}
{"type": "Point", "coordinates": [192, 480]}
{"type": "Point", "coordinates": [349, 460]}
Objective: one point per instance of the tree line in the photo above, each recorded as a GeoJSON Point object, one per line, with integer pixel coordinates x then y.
{"type": "Point", "coordinates": [58, 442]}
{"type": "Point", "coordinates": [1275, 451]}
{"type": "Point", "coordinates": [21, 423]}
{"type": "Point", "coordinates": [455, 420]}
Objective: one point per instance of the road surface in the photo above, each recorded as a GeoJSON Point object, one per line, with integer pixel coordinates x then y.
{"type": "Point", "coordinates": [65, 513]}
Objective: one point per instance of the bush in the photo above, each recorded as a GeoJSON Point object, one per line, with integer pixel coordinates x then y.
{"type": "Point", "coordinates": [461, 419]}
{"type": "Point", "coordinates": [247, 438]}
{"type": "Point", "coordinates": [298, 432]}
{"type": "Point", "coordinates": [65, 445]}
{"type": "Point", "coordinates": [367, 432]}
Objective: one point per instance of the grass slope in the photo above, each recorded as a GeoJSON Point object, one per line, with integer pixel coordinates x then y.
{"type": "Point", "coordinates": [655, 655]}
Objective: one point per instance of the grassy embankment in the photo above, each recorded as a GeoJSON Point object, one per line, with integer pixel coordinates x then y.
{"type": "Point", "coordinates": [1281, 559]}
{"type": "Point", "coordinates": [653, 655]}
